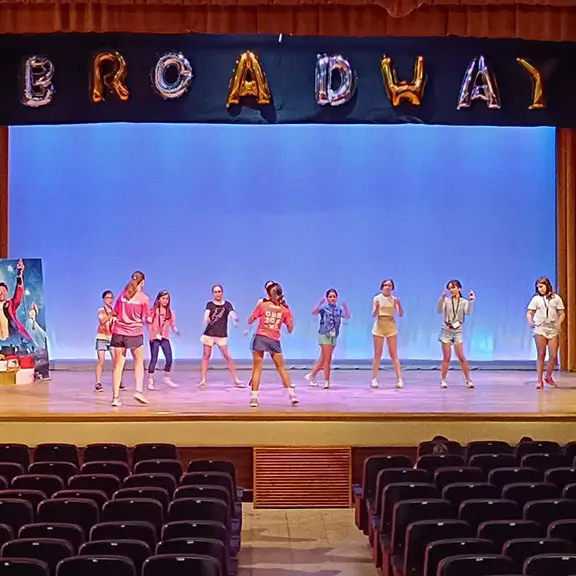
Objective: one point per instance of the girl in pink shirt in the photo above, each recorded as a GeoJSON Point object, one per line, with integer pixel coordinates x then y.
{"type": "Point", "coordinates": [131, 310]}
{"type": "Point", "coordinates": [162, 321]}
{"type": "Point", "coordinates": [271, 314]}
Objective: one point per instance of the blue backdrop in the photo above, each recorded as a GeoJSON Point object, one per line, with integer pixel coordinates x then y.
{"type": "Point", "coordinates": [313, 207]}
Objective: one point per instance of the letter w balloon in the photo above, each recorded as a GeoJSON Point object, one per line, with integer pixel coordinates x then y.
{"type": "Point", "coordinates": [335, 81]}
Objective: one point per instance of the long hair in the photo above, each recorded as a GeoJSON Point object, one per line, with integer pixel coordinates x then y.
{"type": "Point", "coordinates": [276, 293]}
{"type": "Point", "coordinates": [549, 288]}
{"type": "Point", "coordinates": [157, 303]}
{"type": "Point", "coordinates": [132, 286]}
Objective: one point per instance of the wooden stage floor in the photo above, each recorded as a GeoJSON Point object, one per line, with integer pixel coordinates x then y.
{"type": "Point", "coordinates": [504, 405]}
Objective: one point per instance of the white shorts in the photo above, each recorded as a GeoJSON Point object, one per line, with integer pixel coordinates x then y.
{"type": "Point", "coordinates": [213, 341]}
{"type": "Point", "coordinates": [548, 332]}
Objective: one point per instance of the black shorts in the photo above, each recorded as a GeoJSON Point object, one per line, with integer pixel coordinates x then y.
{"type": "Point", "coordinates": [130, 342]}
{"type": "Point", "coordinates": [265, 344]}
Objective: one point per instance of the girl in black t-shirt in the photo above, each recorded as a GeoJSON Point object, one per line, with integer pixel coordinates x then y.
{"type": "Point", "coordinates": [216, 317]}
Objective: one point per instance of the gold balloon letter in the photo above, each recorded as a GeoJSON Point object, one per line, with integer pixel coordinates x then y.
{"type": "Point", "coordinates": [248, 79]}
{"type": "Point", "coordinates": [478, 84]}
{"type": "Point", "coordinates": [399, 92]}
{"type": "Point", "coordinates": [538, 100]}
{"type": "Point", "coordinates": [112, 79]}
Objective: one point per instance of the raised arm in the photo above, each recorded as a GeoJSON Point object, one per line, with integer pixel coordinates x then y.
{"type": "Point", "coordinates": [470, 304]}
{"type": "Point", "coordinates": [375, 307]}
{"type": "Point", "coordinates": [398, 306]}
{"type": "Point", "coordinates": [316, 310]}
{"type": "Point", "coordinates": [440, 305]}
{"type": "Point", "coordinates": [289, 321]}
{"type": "Point", "coordinates": [346, 315]}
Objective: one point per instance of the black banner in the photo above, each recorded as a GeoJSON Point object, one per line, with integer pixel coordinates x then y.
{"type": "Point", "coordinates": [85, 78]}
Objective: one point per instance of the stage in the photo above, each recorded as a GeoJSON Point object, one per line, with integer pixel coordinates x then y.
{"type": "Point", "coordinates": [504, 405]}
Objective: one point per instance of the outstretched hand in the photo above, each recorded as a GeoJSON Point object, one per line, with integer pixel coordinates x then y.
{"type": "Point", "coordinates": [471, 295]}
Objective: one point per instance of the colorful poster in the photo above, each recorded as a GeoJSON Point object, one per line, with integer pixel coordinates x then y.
{"type": "Point", "coordinates": [23, 338]}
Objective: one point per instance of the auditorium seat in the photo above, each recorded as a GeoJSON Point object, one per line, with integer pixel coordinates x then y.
{"type": "Point", "coordinates": [537, 447]}
{"type": "Point", "coordinates": [56, 453]}
{"type": "Point", "coordinates": [16, 453]}
{"type": "Point", "coordinates": [61, 531]}
{"type": "Point", "coordinates": [6, 533]}
{"type": "Point", "coordinates": [9, 470]}
{"type": "Point", "coordinates": [165, 466]}
{"type": "Point", "coordinates": [212, 466]}
{"type": "Point", "coordinates": [489, 462]}
{"type": "Point", "coordinates": [97, 496]}
{"type": "Point", "coordinates": [151, 451]}
{"type": "Point", "coordinates": [477, 511]}
{"type": "Point", "coordinates": [115, 467]}
{"type": "Point", "coordinates": [180, 565]}
{"type": "Point", "coordinates": [143, 531]}
{"type": "Point", "coordinates": [49, 550]}
{"type": "Point", "coordinates": [442, 549]}
{"type": "Point", "coordinates": [32, 496]}
{"type": "Point", "coordinates": [457, 474]}
{"type": "Point", "coordinates": [551, 565]}
{"type": "Point", "coordinates": [199, 509]}
{"type": "Point", "coordinates": [64, 470]}
{"type": "Point", "coordinates": [521, 549]}
{"type": "Point", "coordinates": [218, 492]}
{"type": "Point", "coordinates": [487, 447]}
{"type": "Point", "coordinates": [83, 512]}
{"type": "Point", "coordinates": [150, 492]}
{"type": "Point", "coordinates": [47, 483]}
{"type": "Point", "coordinates": [195, 529]}
{"type": "Point", "coordinates": [460, 491]}
{"type": "Point", "coordinates": [16, 513]}
{"type": "Point", "coordinates": [429, 446]}
{"type": "Point", "coordinates": [165, 481]}
{"type": "Point", "coordinates": [3, 483]}
{"type": "Point", "coordinates": [421, 533]}
{"type": "Point", "coordinates": [23, 567]}
{"type": "Point", "coordinates": [570, 450]}
{"type": "Point", "coordinates": [502, 476]}
{"type": "Point", "coordinates": [106, 483]}
{"type": "Point", "coordinates": [105, 452]}
{"type": "Point", "coordinates": [96, 566]}
{"type": "Point", "coordinates": [569, 492]}
{"type": "Point", "coordinates": [547, 511]}
{"type": "Point", "coordinates": [523, 492]}
{"type": "Point", "coordinates": [543, 462]}
{"type": "Point", "coordinates": [136, 550]}
{"type": "Point", "coordinates": [476, 565]}
{"type": "Point", "coordinates": [559, 476]}
{"type": "Point", "coordinates": [431, 462]}
{"type": "Point", "coordinates": [500, 531]}
{"type": "Point", "coordinates": [565, 529]}
{"type": "Point", "coordinates": [196, 546]}
{"type": "Point", "coordinates": [134, 509]}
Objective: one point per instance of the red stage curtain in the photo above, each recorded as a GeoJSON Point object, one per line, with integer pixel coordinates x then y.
{"type": "Point", "coordinates": [529, 19]}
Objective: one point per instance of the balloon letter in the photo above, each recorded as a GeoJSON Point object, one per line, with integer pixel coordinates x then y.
{"type": "Point", "coordinates": [478, 84]}
{"type": "Point", "coordinates": [179, 86]}
{"type": "Point", "coordinates": [248, 79]}
{"type": "Point", "coordinates": [399, 92]}
{"type": "Point", "coordinates": [38, 89]}
{"type": "Point", "coordinates": [538, 100]}
{"type": "Point", "coordinates": [112, 80]}
{"type": "Point", "coordinates": [326, 93]}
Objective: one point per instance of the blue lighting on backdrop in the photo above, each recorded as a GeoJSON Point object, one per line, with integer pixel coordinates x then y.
{"type": "Point", "coordinates": [312, 207]}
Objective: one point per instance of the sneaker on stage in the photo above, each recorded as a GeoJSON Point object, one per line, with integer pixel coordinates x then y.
{"type": "Point", "coordinates": [116, 402]}
{"type": "Point", "coordinates": [374, 383]}
{"type": "Point", "coordinates": [151, 383]}
{"type": "Point", "coordinates": [310, 379]}
{"type": "Point", "coordinates": [98, 388]}
{"type": "Point", "coordinates": [169, 382]}
{"type": "Point", "coordinates": [139, 397]}
{"type": "Point", "coordinates": [443, 384]}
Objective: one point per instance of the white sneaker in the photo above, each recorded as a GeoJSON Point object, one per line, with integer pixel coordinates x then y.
{"type": "Point", "coordinates": [239, 384]}
{"type": "Point", "coordinates": [400, 383]}
{"type": "Point", "coordinates": [151, 383]}
{"type": "Point", "coordinates": [374, 383]}
{"type": "Point", "coordinates": [310, 379]}
{"type": "Point", "coordinates": [469, 384]}
{"type": "Point", "coordinates": [326, 385]}
{"type": "Point", "coordinates": [293, 400]}
{"type": "Point", "coordinates": [443, 384]}
{"type": "Point", "coordinates": [139, 397]}
{"type": "Point", "coordinates": [169, 382]}
{"type": "Point", "coordinates": [253, 402]}
{"type": "Point", "coordinates": [202, 384]}
{"type": "Point", "coordinates": [116, 402]}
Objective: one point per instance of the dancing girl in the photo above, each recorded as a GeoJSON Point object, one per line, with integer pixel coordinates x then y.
{"type": "Point", "coordinates": [216, 317]}
{"type": "Point", "coordinates": [331, 316]}
{"type": "Point", "coordinates": [385, 307]}
{"type": "Point", "coordinates": [103, 335]}
{"type": "Point", "coordinates": [131, 310]}
{"type": "Point", "coordinates": [271, 314]}
{"type": "Point", "coordinates": [454, 308]}
{"type": "Point", "coordinates": [162, 321]}
{"type": "Point", "coordinates": [545, 315]}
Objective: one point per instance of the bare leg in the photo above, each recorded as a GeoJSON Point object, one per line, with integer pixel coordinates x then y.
{"type": "Point", "coordinates": [541, 344]}
{"type": "Point", "coordinates": [100, 365]}
{"type": "Point", "coordinates": [446, 354]}
{"type": "Point", "coordinates": [278, 360]}
{"type": "Point", "coordinates": [206, 353]}
{"type": "Point", "coordinates": [327, 351]}
{"type": "Point", "coordinates": [319, 365]}
{"type": "Point", "coordinates": [393, 351]}
{"type": "Point", "coordinates": [230, 363]}
{"type": "Point", "coordinates": [459, 349]}
{"type": "Point", "coordinates": [378, 347]}
{"type": "Point", "coordinates": [138, 358]}
{"type": "Point", "coordinates": [257, 360]}
{"type": "Point", "coordinates": [119, 359]}
{"type": "Point", "coordinates": [552, 360]}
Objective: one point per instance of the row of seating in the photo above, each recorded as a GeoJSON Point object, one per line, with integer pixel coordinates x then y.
{"type": "Point", "coordinates": [418, 518]}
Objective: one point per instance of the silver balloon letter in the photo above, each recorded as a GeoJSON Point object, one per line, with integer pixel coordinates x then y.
{"type": "Point", "coordinates": [478, 84]}
{"type": "Point", "coordinates": [170, 90]}
{"type": "Point", "coordinates": [37, 74]}
{"type": "Point", "coordinates": [326, 93]}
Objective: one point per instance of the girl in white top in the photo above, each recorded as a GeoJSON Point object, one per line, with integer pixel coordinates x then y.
{"type": "Point", "coordinates": [385, 307]}
{"type": "Point", "coordinates": [545, 316]}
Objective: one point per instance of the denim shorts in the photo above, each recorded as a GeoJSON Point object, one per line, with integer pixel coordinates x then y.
{"type": "Point", "coordinates": [102, 345]}
{"type": "Point", "coordinates": [327, 340]}
{"type": "Point", "coordinates": [448, 336]}
{"type": "Point", "coordinates": [265, 344]}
